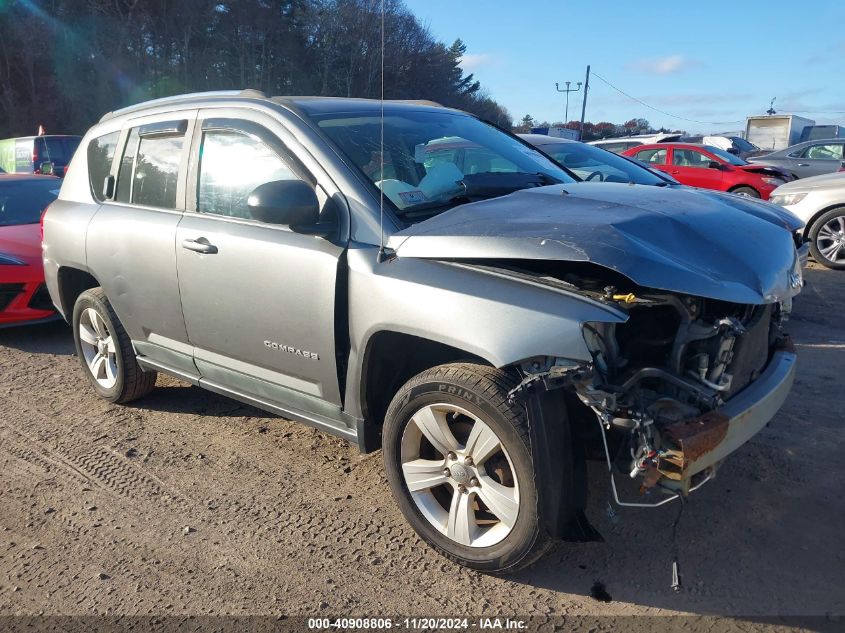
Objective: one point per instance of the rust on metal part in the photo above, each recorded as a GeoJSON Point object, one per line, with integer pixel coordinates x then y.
{"type": "Point", "coordinates": [693, 438]}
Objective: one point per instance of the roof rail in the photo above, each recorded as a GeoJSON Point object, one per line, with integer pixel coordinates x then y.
{"type": "Point", "coordinates": [246, 93]}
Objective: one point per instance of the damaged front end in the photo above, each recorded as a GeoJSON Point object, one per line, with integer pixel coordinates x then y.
{"type": "Point", "coordinates": [678, 386]}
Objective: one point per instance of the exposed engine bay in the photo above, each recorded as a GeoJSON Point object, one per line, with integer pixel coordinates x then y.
{"type": "Point", "coordinates": [657, 381]}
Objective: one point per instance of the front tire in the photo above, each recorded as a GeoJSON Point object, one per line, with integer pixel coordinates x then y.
{"type": "Point", "coordinates": [105, 350]}
{"type": "Point", "coordinates": [827, 239]}
{"type": "Point", "coordinates": [459, 464]}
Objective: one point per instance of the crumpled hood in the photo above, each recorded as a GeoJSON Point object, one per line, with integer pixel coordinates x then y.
{"type": "Point", "coordinates": [684, 240]}
{"type": "Point", "coordinates": [765, 170]}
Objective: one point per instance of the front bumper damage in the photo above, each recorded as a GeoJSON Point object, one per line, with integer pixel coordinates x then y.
{"type": "Point", "coordinates": [671, 407]}
{"type": "Point", "coordinates": [702, 443]}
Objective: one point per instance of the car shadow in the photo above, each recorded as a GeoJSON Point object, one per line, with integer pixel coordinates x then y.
{"type": "Point", "coordinates": [173, 396]}
{"type": "Point", "coordinates": [53, 337]}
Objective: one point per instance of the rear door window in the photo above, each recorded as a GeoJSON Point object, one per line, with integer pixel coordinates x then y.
{"type": "Point", "coordinates": [149, 169]}
{"type": "Point", "coordinates": [831, 151]}
{"type": "Point", "coordinates": [100, 157]}
{"type": "Point", "coordinates": [157, 171]}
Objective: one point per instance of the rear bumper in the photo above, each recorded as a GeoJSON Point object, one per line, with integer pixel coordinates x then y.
{"type": "Point", "coordinates": [701, 443]}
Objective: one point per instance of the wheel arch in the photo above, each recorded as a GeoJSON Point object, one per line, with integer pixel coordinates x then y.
{"type": "Point", "coordinates": [745, 186]}
{"type": "Point", "coordinates": [809, 225]}
{"type": "Point", "coordinates": [72, 282]}
{"type": "Point", "coordinates": [384, 371]}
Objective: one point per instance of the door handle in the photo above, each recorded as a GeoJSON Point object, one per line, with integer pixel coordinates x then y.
{"type": "Point", "coordinates": [199, 245]}
{"type": "Point", "coordinates": [677, 171]}
{"type": "Point", "coordinates": [803, 164]}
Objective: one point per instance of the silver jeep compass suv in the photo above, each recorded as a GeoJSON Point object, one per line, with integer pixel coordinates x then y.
{"type": "Point", "coordinates": [449, 295]}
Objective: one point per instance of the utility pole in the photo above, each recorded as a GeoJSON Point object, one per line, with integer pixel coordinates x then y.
{"type": "Point", "coordinates": [584, 104]}
{"type": "Point", "coordinates": [567, 91]}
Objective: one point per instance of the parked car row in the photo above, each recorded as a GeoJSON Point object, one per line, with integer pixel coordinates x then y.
{"type": "Point", "coordinates": [711, 168]}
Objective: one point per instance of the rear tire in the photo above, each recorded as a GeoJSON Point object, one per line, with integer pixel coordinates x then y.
{"type": "Point", "coordinates": [827, 239]}
{"type": "Point", "coordinates": [746, 191]}
{"type": "Point", "coordinates": [105, 350]}
{"type": "Point", "coordinates": [452, 437]}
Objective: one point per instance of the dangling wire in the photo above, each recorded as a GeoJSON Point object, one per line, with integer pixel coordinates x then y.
{"type": "Point", "coordinates": [380, 257]}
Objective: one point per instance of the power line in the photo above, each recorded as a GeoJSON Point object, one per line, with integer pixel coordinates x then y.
{"type": "Point", "coordinates": [816, 112]}
{"type": "Point", "coordinates": [669, 114]}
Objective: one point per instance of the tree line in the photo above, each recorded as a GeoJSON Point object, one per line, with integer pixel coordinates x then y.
{"type": "Point", "coordinates": [64, 63]}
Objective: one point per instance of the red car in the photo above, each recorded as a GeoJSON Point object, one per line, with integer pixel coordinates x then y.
{"type": "Point", "coordinates": [23, 295]}
{"type": "Point", "coordinates": [710, 168]}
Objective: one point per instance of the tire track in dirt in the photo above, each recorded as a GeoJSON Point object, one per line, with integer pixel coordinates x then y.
{"type": "Point", "coordinates": [309, 528]}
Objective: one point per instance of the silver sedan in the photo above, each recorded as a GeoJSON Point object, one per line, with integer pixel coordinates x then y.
{"type": "Point", "coordinates": [820, 203]}
{"type": "Point", "coordinates": [811, 158]}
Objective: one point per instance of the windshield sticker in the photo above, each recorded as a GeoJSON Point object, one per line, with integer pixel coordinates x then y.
{"type": "Point", "coordinates": [412, 197]}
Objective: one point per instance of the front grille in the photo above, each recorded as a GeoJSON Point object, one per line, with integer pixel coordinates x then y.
{"type": "Point", "coordinates": [41, 299]}
{"type": "Point", "coordinates": [7, 294]}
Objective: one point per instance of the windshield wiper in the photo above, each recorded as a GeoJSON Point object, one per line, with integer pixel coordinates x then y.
{"type": "Point", "coordinates": [434, 205]}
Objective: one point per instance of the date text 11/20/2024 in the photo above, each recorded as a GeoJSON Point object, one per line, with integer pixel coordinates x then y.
{"type": "Point", "coordinates": [482, 624]}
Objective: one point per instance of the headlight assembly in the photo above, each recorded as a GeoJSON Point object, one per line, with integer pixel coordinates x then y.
{"type": "Point", "coordinates": [787, 199]}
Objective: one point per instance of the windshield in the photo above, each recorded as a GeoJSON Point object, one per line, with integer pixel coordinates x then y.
{"type": "Point", "coordinates": [435, 160]}
{"type": "Point", "coordinates": [595, 164]}
{"type": "Point", "coordinates": [725, 156]}
{"type": "Point", "coordinates": [22, 201]}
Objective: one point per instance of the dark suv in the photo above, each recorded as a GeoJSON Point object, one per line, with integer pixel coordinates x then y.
{"type": "Point", "coordinates": [49, 154]}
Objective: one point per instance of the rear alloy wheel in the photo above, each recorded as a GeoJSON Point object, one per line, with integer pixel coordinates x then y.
{"type": "Point", "coordinates": [459, 465]}
{"type": "Point", "coordinates": [105, 350]}
{"type": "Point", "coordinates": [748, 192]}
{"type": "Point", "coordinates": [827, 239]}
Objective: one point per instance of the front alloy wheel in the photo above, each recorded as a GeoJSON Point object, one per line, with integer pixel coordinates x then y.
{"type": "Point", "coordinates": [466, 488]}
{"type": "Point", "coordinates": [827, 239]}
{"type": "Point", "coordinates": [458, 460]}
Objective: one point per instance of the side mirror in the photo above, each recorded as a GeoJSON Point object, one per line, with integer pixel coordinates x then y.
{"type": "Point", "coordinates": [46, 168]}
{"type": "Point", "coordinates": [291, 203]}
{"type": "Point", "coordinates": [714, 165]}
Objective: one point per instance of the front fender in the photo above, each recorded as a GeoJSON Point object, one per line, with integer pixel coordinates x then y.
{"type": "Point", "coordinates": [498, 318]}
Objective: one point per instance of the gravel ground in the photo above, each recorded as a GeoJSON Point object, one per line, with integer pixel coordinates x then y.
{"type": "Point", "coordinates": [189, 503]}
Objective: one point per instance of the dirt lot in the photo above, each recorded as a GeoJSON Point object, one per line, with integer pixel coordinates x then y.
{"type": "Point", "coordinates": [190, 503]}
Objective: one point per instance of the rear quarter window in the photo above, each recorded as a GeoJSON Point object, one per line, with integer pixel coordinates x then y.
{"type": "Point", "coordinates": [100, 156]}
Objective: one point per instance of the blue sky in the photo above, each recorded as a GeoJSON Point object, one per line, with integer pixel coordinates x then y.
{"type": "Point", "coordinates": [711, 61]}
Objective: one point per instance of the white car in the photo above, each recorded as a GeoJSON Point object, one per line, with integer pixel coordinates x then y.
{"type": "Point", "coordinates": [620, 144]}
{"type": "Point", "coordinates": [820, 202]}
